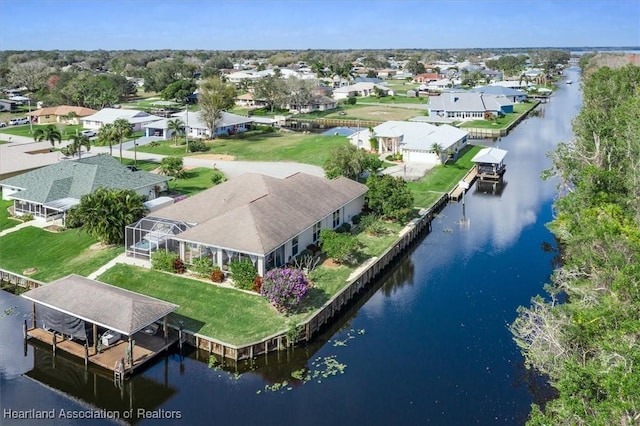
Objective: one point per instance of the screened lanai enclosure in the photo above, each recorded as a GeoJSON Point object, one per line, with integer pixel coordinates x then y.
{"type": "Point", "coordinates": [152, 233]}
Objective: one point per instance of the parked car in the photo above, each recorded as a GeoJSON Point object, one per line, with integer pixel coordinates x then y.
{"type": "Point", "coordinates": [16, 121]}
{"type": "Point", "coordinates": [3, 124]}
{"type": "Point", "coordinates": [88, 133]}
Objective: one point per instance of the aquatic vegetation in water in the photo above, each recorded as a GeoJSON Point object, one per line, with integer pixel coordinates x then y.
{"type": "Point", "coordinates": [9, 311]}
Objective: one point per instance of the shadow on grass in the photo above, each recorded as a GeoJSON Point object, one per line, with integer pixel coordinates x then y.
{"type": "Point", "coordinates": [316, 297]}
{"type": "Point", "coordinates": [188, 323]}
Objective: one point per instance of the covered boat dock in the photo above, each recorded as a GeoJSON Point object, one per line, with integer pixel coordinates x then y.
{"type": "Point", "coordinates": [108, 326]}
{"type": "Point", "coordinates": [490, 163]}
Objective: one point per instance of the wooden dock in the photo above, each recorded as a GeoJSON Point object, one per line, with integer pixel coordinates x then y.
{"type": "Point", "coordinates": [469, 178]}
{"type": "Point", "coordinates": [146, 347]}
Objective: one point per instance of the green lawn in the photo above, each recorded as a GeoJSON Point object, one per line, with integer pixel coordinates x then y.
{"type": "Point", "coordinates": [25, 130]}
{"type": "Point", "coordinates": [145, 165]}
{"type": "Point", "coordinates": [278, 146]}
{"type": "Point", "coordinates": [53, 254]}
{"type": "Point", "coordinates": [442, 178]}
{"type": "Point", "coordinates": [233, 316]}
{"type": "Point", "coordinates": [390, 100]}
{"type": "Point", "coordinates": [501, 122]}
{"type": "Point", "coordinates": [5, 221]}
{"type": "Point", "coordinates": [197, 180]}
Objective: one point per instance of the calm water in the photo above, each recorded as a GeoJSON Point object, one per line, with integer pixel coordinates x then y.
{"type": "Point", "coordinates": [428, 345]}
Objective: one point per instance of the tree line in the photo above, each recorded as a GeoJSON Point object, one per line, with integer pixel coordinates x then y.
{"type": "Point", "coordinates": [585, 333]}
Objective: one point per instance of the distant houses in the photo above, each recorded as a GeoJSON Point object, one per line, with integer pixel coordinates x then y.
{"type": "Point", "coordinates": [136, 118]}
{"type": "Point", "coordinates": [67, 114]}
{"type": "Point", "coordinates": [195, 127]}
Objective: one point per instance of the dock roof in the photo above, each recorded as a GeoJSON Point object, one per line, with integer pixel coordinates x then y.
{"type": "Point", "coordinates": [490, 156]}
{"type": "Point", "coordinates": [111, 307]}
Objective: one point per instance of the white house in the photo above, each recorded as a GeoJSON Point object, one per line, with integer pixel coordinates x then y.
{"type": "Point", "coordinates": [195, 127]}
{"type": "Point", "coordinates": [136, 118]}
{"type": "Point", "coordinates": [468, 105]}
{"type": "Point", "coordinates": [265, 219]}
{"type": "Point", "coordinates": [414, 140]}
{"type": "Point", "coordinates": [362, 89]}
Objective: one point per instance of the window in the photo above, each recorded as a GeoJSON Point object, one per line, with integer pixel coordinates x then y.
{"type": "Point", "coordinates": [336, 218]}
{"type": "Point", "coordinates": [316, 231]}
{"type": "Point", "coordinates": [294, 246]}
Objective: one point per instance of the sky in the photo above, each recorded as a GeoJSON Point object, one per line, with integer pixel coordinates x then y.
{"type": "Point", "coordinates": [308, 24]}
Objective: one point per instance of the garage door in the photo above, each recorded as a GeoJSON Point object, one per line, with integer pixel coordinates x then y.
{"type": "Point", "coordinates": [420, 157]}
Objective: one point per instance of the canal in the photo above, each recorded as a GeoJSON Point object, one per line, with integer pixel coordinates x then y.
{"type": "Point", "coordinates": [429, 344]}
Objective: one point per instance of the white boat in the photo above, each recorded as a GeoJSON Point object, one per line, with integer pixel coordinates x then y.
{"type": "Point", "coordinates": [569, 81]}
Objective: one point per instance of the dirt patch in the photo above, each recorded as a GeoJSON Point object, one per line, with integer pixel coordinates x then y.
{"type": "Point", "coordinates": [214, 157]}
{"type": "Point", "coordinates": [329, 263]}
{"type": "Point", "coordinates": [99, 246]}
{"type": "Point", "coordinates": [29, 271]}
{"type": "Point", "coordinates": [53, 228]}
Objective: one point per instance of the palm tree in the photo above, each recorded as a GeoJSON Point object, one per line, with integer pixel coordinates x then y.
{"type": "Point", "coordinates": [78, 141]}
{"type": "Point", "coordinates": [121, 130]}
{"type": "Point", "coordinates": [48, 133]}
{"type": "Point", "coordinates": [106, 136]}
{"type": "Point", "coordinates": [70, 117]}
{"type": "Point", "coordinates": [176, 126]}
{"type": "Point", "coordinates": [437, 149]}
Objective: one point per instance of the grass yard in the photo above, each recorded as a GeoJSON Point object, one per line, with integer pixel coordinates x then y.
{"type": "Point", "coordinates": [501, 122]}
{"type": "Point", "coordinates": [145, 165]}
{"type": "Point", "coordinates": [5, 221]}
{"type": "Point", "coordinates": [391, 100]}
{"type": "Point", "coordinates": [278, 146]}
{"type": "Point", "coordinates": [197, 180]}
{"type": "Point", "coordinates": [25, 130]}
{"type": "Point", "coordinates": [442, 178]}
{"type": "Point", "coordinates": [371, 112]}
{"type": "Point", "coordinates": [233, 316]}
{"type": "Point", "coordinates": [226, 314]}
{"type": "Point", "coordinates": [55, 255]}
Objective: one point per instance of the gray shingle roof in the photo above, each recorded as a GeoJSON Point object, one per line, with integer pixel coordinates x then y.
{"type": "Point", "coordinates": [467, 102]}
{"type": "Point", "coordinates": [111, 307]}
{"type": "Point", "coordinates": [255, 213]}
{"type": "Point", "coordinates": [73, 179]}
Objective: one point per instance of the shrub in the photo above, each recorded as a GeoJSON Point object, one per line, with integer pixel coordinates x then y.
{"type": "Point", "coordinates": [372, 224]}
{"type": "Point", "coordinates": [163, 260]}
{"type": "Point", "coordinates": [285, 288]}
{"type": "Point", "coordinates": [344, 228]}
{"type": "Point", "coordinates": [243, 273]}
{"type": "Point", "coordinates": [179, 266]}
{"type": "Point", "coordinates": [203, 266]}
{"type": "Point", "coordinates": [355, 219]}
{"type": "Point", "coordinates": [339, 247]}
{"type": "Point", "coordinates": [352, 101]}
{"type": "Point", "coordinates": [257, 284]}
{"type": "Point", "coordinates": [198, 146]}
{"type": "Point", "coordinates": [313, 248]}
{"type": "Point", "coordinates": [217, 177]}
{"type": "Point", "coordinates": [217, 276]}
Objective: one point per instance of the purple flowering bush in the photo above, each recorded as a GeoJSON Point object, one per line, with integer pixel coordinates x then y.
{"type": "Point", "coordinates": [284, 287]}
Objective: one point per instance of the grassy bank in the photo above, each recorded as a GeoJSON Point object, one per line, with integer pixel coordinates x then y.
{"type": "Point", "coordinates": [5, 221]}
{"type": "Point", "coordinates": [504, 121]}
{"type": "Point", "coordinates": [53, 255]}
{"type": "Point", "coordinates": [442, 178]}
{"type": "Point", "coordinates": [277, 146]}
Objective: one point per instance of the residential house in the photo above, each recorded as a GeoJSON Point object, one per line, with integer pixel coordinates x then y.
{"type": "Point", "coordinates": [136, 118]}
{"type": "Point", "coordinates": [48, 192]}
{"type": "Point", "coordinates": [8, 105]}
{"type": "Point", "coordinates": [315, 103]}
{"type": "Point", "coordinates": [426, 77]}
{"type": "Point", "coordinates": [20, 157]}
{"type": "Point", "coordinates": [468, 105]}
{"type": "Point", "coordinates": [360, 89]}
{"type": "Point", "coordinates": [414, 140]}
{"type": "Point", "coordinates": [265, 219]}
{"type": "Point", "coordinates": [61, 114]}
{"type": "Point", "coordinates": [513, 95]}
{"type": "Point", "coordinates": [195, 126]}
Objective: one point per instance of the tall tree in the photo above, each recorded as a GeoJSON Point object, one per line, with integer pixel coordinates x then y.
{"type": "Point", "coordinates": [347, 160]}
{"type": "Point", "coordinates": [48, 133]}
{"type": "Point", "coordinates": [389, 197]}
{"type": "Point", "coordinates": [77, 142]}
{"type": "Point", "coordinates": [271, 89]}
{"type": "Point", "coordinates": [105, 213]}
{"type": "Point", "coordinates": [176, 127]}
{"type": "Point", "coordinates": [106, 136]}
{"type": "Point", "coordinates": [121, 131]}
{"type": "Point", "coordinates": [214, 97]}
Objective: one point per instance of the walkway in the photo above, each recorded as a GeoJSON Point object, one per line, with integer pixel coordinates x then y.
{"type": "Point", "coordinates": [121, 258]}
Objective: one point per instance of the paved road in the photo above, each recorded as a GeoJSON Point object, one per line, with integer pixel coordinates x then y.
{"type": "Point", "coordinates": [229, 168]}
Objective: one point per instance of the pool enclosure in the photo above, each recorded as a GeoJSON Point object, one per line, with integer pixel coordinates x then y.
{"type": "Point", "coordinates": [152, 233]}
